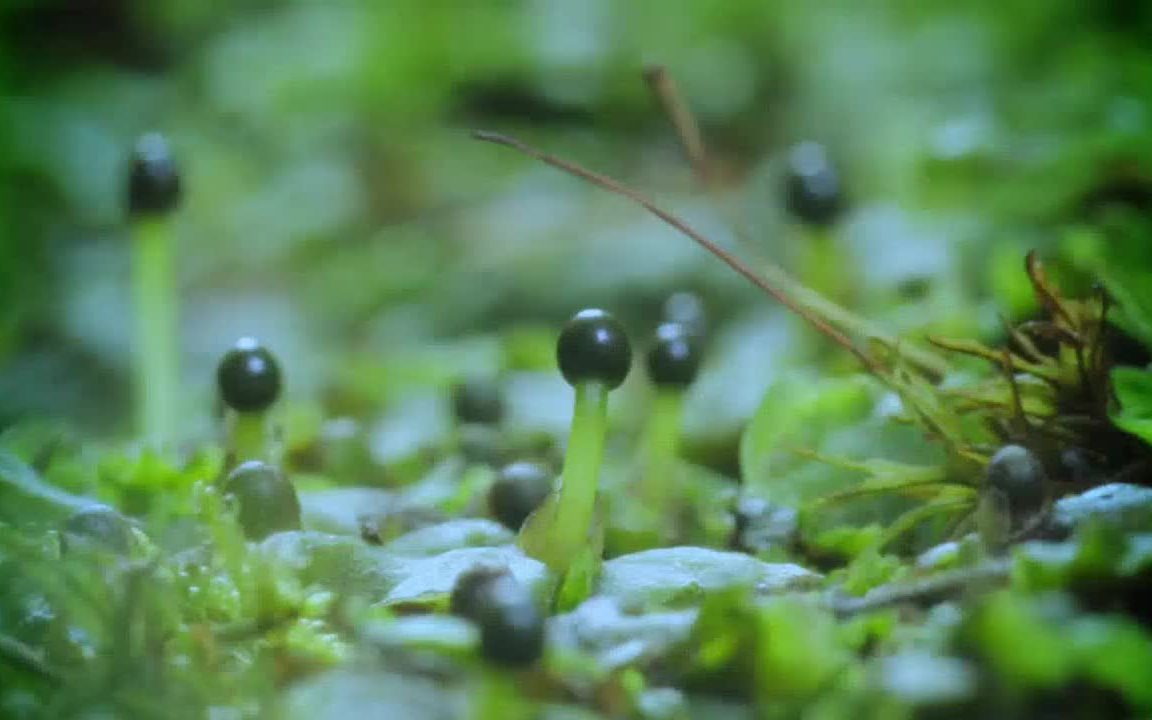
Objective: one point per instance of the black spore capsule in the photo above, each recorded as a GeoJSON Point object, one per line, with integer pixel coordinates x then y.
{"type": "Point", "coordinates": [266, 499]}
{"type": "Point", "coordinates": [100, 526]}
{"type": "Point", "coordinates": [248, 377]}
{"type": "Point", "coordinates": [812, 190]}
{"type": "Point", "coordinates": [153, 177]}
{"type": "Point", "coordinates": [477, 400]}
{"type": "Point", "coordinates": [593, 347]}
{"type": "Point", "coordinates": [674, 358]}
{"type": "Point", "coordinates": [511, 625]}
{"type": "Point", "coordinates": [467, 593]}
{"type": "Point", "coordinates": [519, 489]}
{"type": "Point", "coordinates": [1017, 472]}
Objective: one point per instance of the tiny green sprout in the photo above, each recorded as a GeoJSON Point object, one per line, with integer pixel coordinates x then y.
{"type": "Point", "coordinates": [673, 361]}
{"type": "Point", "coordinates": [517, 491]}
{"type": "Point", "coordinates": [248, 378]}
{"type": "Point", "coordinates": [153, 193]}
{"type": "Point", "coordinates": [594, 356]}
{"type": "Point", "coordinates": [266, 501]}
{"type": "Point", "coordinates": [98, 526]}
{"type": "Point", "coordinates": [812, 190]}
{"type": "Point", "coordinates": [511, 625]}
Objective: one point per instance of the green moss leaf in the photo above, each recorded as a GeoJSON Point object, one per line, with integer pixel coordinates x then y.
{"type": "Point", "coordinates": [1134, 389]}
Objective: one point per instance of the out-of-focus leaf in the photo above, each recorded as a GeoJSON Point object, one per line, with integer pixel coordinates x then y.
{"type": "Point", "coordinates": [1134, 389]}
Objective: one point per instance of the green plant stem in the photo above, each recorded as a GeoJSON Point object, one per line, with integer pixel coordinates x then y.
{"type": "Point", "coordinates": [247, 437]}
{"type": "Point", "coordinates": [576, 492]}
{"type": "Point", "coordinates": [497, 697]}
{"type": "Point", "coordinates": [662, 445]}
{"type": "Point", "coordinates": [154, 341]}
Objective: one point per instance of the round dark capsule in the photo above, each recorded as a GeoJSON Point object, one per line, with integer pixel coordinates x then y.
{"type": "Point", "coordinates": [593, 347]}
{"type": "Point", "coordinates": [478, 401]}
{"type": "Point", "coordinates": [153, 177]}
{"type": "Point", "coordinates": [266, 500]}
{"type": "Point", "coordinates": [511, 625]}
{"type": "Point", "coordinates": [813, 193]}
{"type": "Point", "coordinates": [468, 591]}
{"type": "Point", "coordinates": [248, 377]}
{"type": "Point", "coordinates": [674, 358]}
{"type": "Point", "coordinates": [1017, 472]}
{"type": "Point", "coordinates": [99, 526]}
{"type": "Point", "coordinates": [687, 308]}
{"type": "Point", "coordinates": [518, 490]}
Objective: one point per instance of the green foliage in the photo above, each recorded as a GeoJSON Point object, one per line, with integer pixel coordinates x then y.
{"type": "Point", "coordinates": [333, 205]}
{"type": "Point", "coordinates": [1134, 391]}
{"type": "Point", "coordinates": [798, 652]}
{"type": "Point", "coordinates": [870, 569]}
{"type": "Point", "coordinates": [798, 413]}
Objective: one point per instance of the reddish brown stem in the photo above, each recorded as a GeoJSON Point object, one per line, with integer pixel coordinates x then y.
{"type": "Point", "coordinates": [683, 122]}
{"type": "Point", "coordinates": [730, 260]}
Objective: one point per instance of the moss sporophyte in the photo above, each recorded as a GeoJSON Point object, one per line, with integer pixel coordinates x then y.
{"type": "Point", "coordinates": [594, 356]}
{"type": "Point", "coordinates": [153, 191]}
{"type": "Point", "coordinates": [512, 637]}
{"type": "Point", "coordinates": [249, 382]}
{"type": "Point", "coordinates": [673, 360]}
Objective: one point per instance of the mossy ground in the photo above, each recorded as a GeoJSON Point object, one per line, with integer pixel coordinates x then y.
{"type": "Point", "coordinates": [829, 549]}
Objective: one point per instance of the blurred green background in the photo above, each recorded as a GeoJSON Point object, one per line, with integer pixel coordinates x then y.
{"type": "Point", "coordinates": [336, 207]}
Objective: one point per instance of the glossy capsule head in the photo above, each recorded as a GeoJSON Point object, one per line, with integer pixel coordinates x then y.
{"type": "Point", "coordinates": [466, 595]}
{"type": "Point", "coordinates": [248, 377]}
{"type": "Point", "coordinates": [813, 193]}
{"type": "Point", "coordinates": [674, 357]}
{"type": "Point", "coordinates": [593, 347]}
{"type": "Point", "coordinates": [153, 177]}
{"type": "Point", "coordinates": [266, 501]}
{"type": "Point", "coordinates": [1016, 471]}
{"type": "Point", "coordinates": [511, 625]}
{"type": "Point", "coordinates": [517, 491]}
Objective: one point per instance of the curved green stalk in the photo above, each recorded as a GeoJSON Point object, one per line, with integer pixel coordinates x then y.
{"type": "Point", "coordinates": [576, 493]}
{"type": "Point", "coordinates": [661, 447]}
{"type": "Point", "coordinates": [154, 339]}
{"type": "Point", "coordinates": [558, 530]}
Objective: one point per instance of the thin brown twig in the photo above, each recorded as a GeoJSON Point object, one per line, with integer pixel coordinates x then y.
{"type": "Point", "coordinates": [663, 87]}
{"type": "Point", "coordinates": [732, 261]}
{"type": "Point", "coordinates": [683, 121]}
